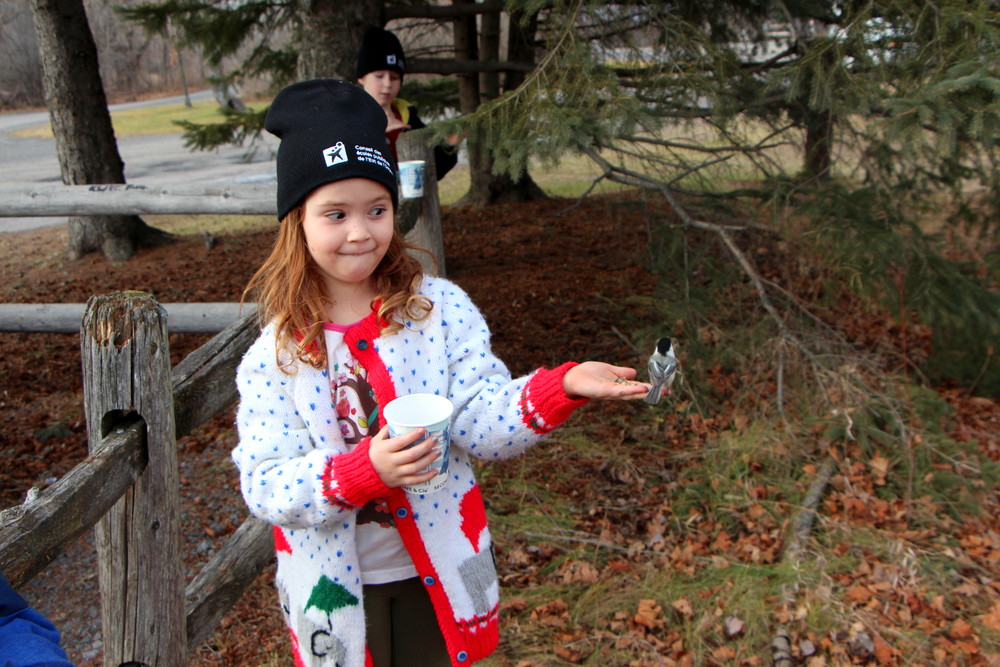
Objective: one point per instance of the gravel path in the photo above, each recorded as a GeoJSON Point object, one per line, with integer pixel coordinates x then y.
{"type": "Point", "coordinates": [68, 592]}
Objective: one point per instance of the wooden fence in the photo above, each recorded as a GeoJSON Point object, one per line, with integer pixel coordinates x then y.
{"type": "Point", "coordinates": [128, 487]}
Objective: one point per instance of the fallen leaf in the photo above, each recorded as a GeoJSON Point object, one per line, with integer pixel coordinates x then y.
{"type": "Point", "coordinates": [516, 604]}
{"type": "Point", "coordinates": [683, 607]}
{"type": "Point", "coordinates": [734, 626]}
{"type": "Point", "coordinates": [554, 614]}
{"type": "Point", "coordinates": [579, 572]}
{"type": "Point", "coordinates": [619, 565]}
{"type": "Point", "coordinates": [570, 654]}
{"type": "Point", "coordinates": [649, 615]}
{"type": "Point", "coordinates": [960, 630]}
{"type": "Point", "coordinates": [884, 654]}
{"type": "Point", "coordinates": [968, 646]}
{"type": "Point", "coordinates": [991, 619]}
{"type": "Point", "coordinates": [724, 653]}
{"type": "Point", "coordinates": [969, 589]}
{"type": "Point", "coordinates": [518, 558]}
{"type": "Point", "coordinates": [880, 467]}
{"type": "Point", "coordinates": [859, 594]}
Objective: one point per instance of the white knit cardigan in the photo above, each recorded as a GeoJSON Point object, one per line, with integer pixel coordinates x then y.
{"type": "Point", "coordinates": [297, 474]}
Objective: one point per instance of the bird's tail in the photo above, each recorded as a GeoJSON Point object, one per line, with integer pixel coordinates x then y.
{"type": "Point", "coordinates": [653, 395]}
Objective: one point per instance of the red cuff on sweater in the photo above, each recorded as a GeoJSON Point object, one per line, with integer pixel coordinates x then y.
{"type": "Point", "coordinates": [350, 479]}
{"type": "Point", "coordinates": [544, 403]}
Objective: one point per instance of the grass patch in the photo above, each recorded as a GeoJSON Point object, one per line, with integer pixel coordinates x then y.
{"type": "Point", "coordinates": [186, 225]}
{"type": "Point", "coordinates": [144, 121]}
{"type": "Point", "coordinates": [572, 179]}
{"type": "Point", "coordinates": [674, 550]}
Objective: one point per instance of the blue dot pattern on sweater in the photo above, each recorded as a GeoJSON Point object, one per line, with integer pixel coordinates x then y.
{"type": "Point", "coordinates": [291, 451]}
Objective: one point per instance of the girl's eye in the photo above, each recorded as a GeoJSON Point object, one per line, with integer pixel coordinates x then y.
{"type": "Point", "coordinates": [379, 211]}
{"type": "Point", "coordinates": [335, 215]}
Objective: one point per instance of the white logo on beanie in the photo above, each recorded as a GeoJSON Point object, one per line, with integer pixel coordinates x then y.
{"type": "Point", "coordinates": [335, 154]}
{"type": "Point", "coordinates": [390, 59]}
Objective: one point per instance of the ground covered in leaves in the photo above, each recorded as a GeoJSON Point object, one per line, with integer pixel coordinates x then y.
{"type": "Point", "coordinates": [609, 549]}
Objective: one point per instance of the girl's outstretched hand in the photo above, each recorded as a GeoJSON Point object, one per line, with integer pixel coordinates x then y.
{"type": "Point", "coordinates": [595, 379]}
{"type": "Point", "coordinates": [396, 462]}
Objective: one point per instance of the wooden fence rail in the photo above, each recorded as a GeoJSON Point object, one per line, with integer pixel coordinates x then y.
{"type": "Point", "coordinates": [136, 408]}
{"type": "Point", "coordinates": [209, 317]}
{"type": "Point", "coordinates": [25, 201]}
{"type": "Point", "coordinates": [34, 533]}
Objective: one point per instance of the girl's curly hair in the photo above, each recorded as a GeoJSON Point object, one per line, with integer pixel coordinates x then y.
{"type": "Point", "coordinates": [289, 292]}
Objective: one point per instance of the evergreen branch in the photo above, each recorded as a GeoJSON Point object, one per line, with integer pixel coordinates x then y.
{"type": "Point", "coordinates": [724, 233]}
{"type": "Point", "coordinates": [754, 156]}
{"type": "Point", "coordinates": [579, 200]}
{"type": "Point", "coordinates": [701, 148]}
{"type": "Point", "coordinates": [567, 30]}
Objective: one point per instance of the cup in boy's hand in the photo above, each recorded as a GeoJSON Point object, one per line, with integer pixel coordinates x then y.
{"type": "Point", "coordinates": [411, 179]}
{"type": "Point", "coordinates": [433, 413]}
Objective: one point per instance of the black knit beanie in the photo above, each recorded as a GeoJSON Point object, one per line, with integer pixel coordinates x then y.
{"type": "Point", "coordinates": [329, 130]}
{"type": "Point", "coordinates": [380, 49]}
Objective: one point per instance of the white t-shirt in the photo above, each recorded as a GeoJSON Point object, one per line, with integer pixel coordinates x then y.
{"type": "Point", "coordinates": [381, 552]}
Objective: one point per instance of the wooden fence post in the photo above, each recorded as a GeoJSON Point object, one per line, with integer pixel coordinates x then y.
{"type": "Point", "coordinates": [126, 368]}
{"type": "Point", "coordinates": [425, 212]}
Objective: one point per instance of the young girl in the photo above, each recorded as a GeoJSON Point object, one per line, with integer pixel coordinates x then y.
{"type": "Point", "coordinates": [368, 573]}
{"type": "Point", "coordinates": [380, 69]}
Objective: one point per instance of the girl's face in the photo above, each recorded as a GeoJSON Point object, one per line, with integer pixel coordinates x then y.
{"type": "Point", "coordinates": [383, 85]}
{"type": "Point", "coordinates": [347, 226]}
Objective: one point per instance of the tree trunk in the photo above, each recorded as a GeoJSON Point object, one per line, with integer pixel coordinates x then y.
{"type": "Point", "coordinates": [520, 49]}
{"type": "Point", "coordinates": [329, 36]}
{"type": "Point", "coordinates": [464, 35]}
{"type": "Point", "coordinates": [818, 122]}
{"type": "Point", "coordinates": [818, 145]}
{"type": "Point", "coordinates": [81, 123]}
{"type": "Point", "coordinates": [485, 187]}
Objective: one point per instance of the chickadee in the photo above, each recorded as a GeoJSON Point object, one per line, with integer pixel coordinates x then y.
{"type": "Point", "coordinates": [662, 368]}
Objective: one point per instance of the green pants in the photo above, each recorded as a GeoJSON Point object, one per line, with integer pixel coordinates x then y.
{"type": "Point", "coordinates": [401, 626]}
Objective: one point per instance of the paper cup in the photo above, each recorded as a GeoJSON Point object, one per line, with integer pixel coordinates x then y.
{"type": "Point", "coordinates": [411, 179]}
{"type": "Point", "coordinates": [433, 413]}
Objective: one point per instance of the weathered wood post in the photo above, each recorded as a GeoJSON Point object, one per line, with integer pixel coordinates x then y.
{"type": "Point", "coordinates": [421, 218]}
{"type": "Point", "coordinates": [126, 369]}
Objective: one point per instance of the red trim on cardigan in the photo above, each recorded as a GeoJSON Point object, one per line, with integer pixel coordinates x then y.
{"type": "Point", "coordinates": [350, 480]}
{"type": "Point", "coordinates": [360, 339]}
{"type": "Point", "coordinates": [477, 637]}
{"type": "Point", "coordinates": [544, 403]}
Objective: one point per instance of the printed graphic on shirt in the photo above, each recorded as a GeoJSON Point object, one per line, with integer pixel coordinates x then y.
{"type": "Point", "coordinates": [357, 408]}
{"type": "Point", "coordinates": [357, 417]}
{"type": "Point", "coordinates": [377, 511]}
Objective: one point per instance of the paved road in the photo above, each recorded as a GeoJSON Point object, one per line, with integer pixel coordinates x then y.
{"type": "Point", "coordinates": [159, 161]}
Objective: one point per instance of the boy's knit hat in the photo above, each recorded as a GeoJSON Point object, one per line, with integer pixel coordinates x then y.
{"type": "Point", "coordinates": [380, 49]}
{"type": "Point", "coordinates": [330, 130]}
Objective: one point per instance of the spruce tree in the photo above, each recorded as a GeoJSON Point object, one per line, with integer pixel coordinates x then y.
{"type": "Point", "coordinates": [869, 116]}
